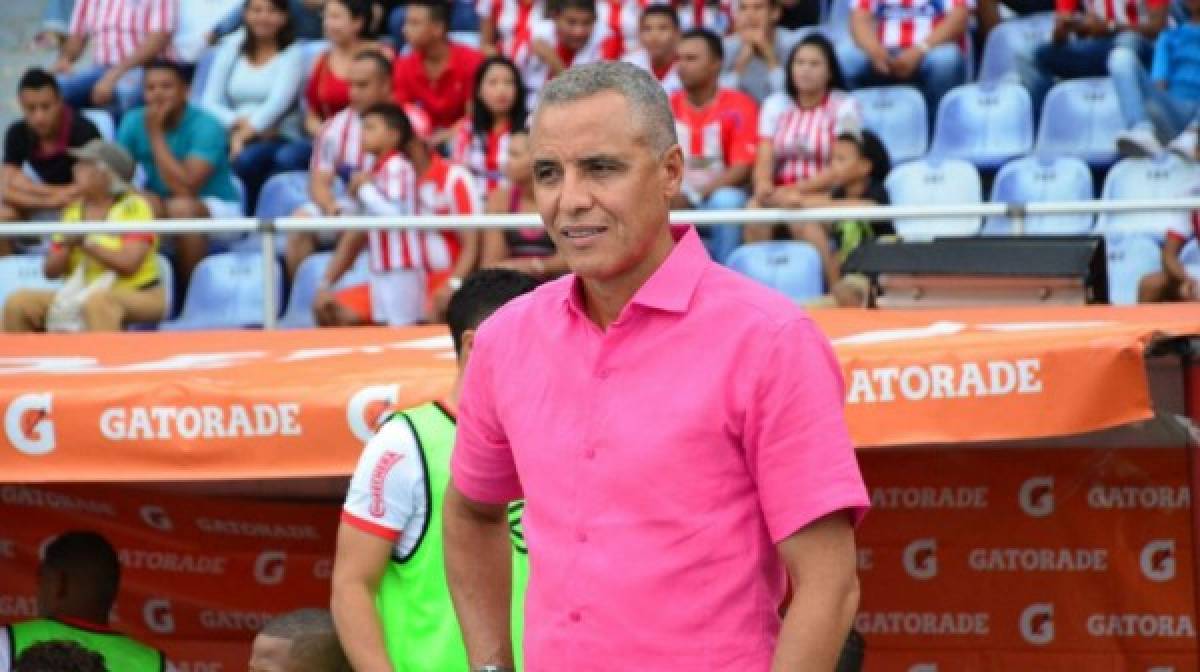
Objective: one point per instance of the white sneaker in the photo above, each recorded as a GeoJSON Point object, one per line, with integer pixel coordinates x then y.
{"type": "Point", "coordinates": [1139, 141]}
{"type": "Point", "coordinates": [1185, 144]}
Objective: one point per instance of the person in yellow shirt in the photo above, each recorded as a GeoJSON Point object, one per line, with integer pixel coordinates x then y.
{"type": "Point", "coordinates": [112, 279]}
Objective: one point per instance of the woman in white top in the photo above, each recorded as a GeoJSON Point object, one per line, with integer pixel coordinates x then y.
{"type": "Point", "coordinates": [253, 89]}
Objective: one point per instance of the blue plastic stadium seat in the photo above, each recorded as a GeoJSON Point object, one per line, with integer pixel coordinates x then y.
{"type": "Point", "coordinates": [23, 271]}
{"type": "Point", "coordinates": [103, 122]}
{"type": "Point", "coordinates": [282, 194]}
{"type": "Point", "coordinates": [791, 267]}
{"type": "Point", "coordinates": [226, 292]}
{"type": "Point", "coordinates": [935, 182]}
{"type": "Point", "coordinates": [986, 124]}
{"type": "Point", "coordinates": [1130, 258]}
{"type": "Point", "coordinates": [1081, 118]}
{"type": "Point", "coordinates": [1041, 180]}
{"type": "Point", "coordinates": [166, 277]}
{"type": "Point", "coordinates": [899, 116]}
{"type": "Point", "coordinates": [1166, 176]}
{"type": "Point", "coordinates": [304, 288]}
{"type": "Point", "coordinates": [837, 18]}
{"type": "Point", "coordinates": [1008, 39]}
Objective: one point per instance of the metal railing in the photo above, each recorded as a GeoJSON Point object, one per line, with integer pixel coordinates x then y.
{"type": "Point", "coordinates": [268, 229]}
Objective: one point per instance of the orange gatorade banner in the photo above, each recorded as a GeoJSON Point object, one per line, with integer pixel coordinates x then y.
{"type": "Point", "coordinates": [200, 575]}
{"type": "Point", "coordinates": [1021, 559]}
{"type": "Point", "coordinates": [253, 404]}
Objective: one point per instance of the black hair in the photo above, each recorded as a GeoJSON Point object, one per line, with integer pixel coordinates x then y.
{"type": "Point", "coordinates": [382, 63]}
{"type": "Point", "coordinates": [315, 644]}
{"type": "Point", "coordinates": [286, 36]}
{"type": "Point", "coordinates": [360, 10]}
{"type": "Point", "coordinates": [871, 148]}
{"type": "Point", "coordinates": [560, 6]}
{"type": "Point", "coordinates": [178, 69]}
{"type": "Point", "coordinates": [715, 46]}
{"type": "Point", "coordinates": [661, 10]}
{"type": "Point", "coordinates": [90, 556]}
{"type": "Point", "coordinates": [58, 656]}
{"type": "Point", "coordinates": [822, 43]}
{"type": "Point", "coordinates": [393, 115]}
{"type": "Point", "coordinates": [481, 294]}
{"type": "Point", "coordinates": [439, 10]}
{"type": "Point", "coordinates": [481, 116]}
{"type": "Point", "coordinates": [37, 78]}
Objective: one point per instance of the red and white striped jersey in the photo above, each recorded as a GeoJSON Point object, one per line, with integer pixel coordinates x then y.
{"type": "Point", "coordinates": [901, 24]}
{"type": "Point", "coordinates": [514, 21]}
{"type": "Point", "coordinates": [338, 148]}
{"type": "Point", "coordinates": [802, 139]}
{"type": "Point", "coordinates": [721, 134]}
{"type": "Point", "coordinates": [536, 73]}
{"type": "Point", "coordinates": [394, 181]}
{"type": "Point", "coordinates": [483, 156]}
{"type": "Point", "coordinates": [669, 77]}
{"type": "Point", "coordinates": [445, 189]}
{"type": "Point", "coordinates": [1122, 12]}
{"type": "Point", "coordinates": [622, 18]}
{"type": "Point", "coordinates": [117, 28]}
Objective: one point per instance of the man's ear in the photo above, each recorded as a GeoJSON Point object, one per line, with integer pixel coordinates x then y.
{"type": "Point", "coordinates": [672, 167]}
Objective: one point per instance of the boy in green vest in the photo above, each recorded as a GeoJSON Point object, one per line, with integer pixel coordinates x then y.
{"type": "Point", "coordinates": [78, 582]}
{"type": "Point", "coordinates": [391, 602]}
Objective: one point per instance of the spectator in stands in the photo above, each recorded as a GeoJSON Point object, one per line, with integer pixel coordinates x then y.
{"type": "Point", "coordinates": [623, 20]}
{"type": "Point", "coordinates": [78, 582]}
{"type": "Point", "coordinates": [497, 107]}
{"type": "Point", "coordinates": [36, 177]}
{"type": "Point", "coordinates": [988, 12]}
{"type": "Point", "coordinates": [397, 487]}
{"type": "Point", "coordinates": [506, 27]}
{"type": "Point", "coordinates": [253, 90]}
{"type": "Point", "coordinates": [919, 42]}
{"type": "Point", "coordinates": [127, 34]}
{"type": "Point", "coordinates": [339, 154]}
{"type": "Point", "coordinates": [1169, 94]}
{"type": "Point", "coordinates": [299, 641]}
{"type": "Point", "coordinates": [306, 19]}
{"type": "Point", "coordinates": [713, 15]}
{"type": "Point", "coordinates": [658, 37]}
{"type": "Point", "coordinates": [797, 130]}
{"type": "Point", "coordinates": [112, 279]}
{"type": "Point", "coordinates": [58, 656]}
{"type": "Point", "coordinates": [1175, 282]}
{"type": "Point", "coordinates": [198, 24]}
{"type": "Point", "coordinates": [529, 251]}
{"type": "Point", "coordinates": [717, 129]}
{"type": "Point", "coordinates": [570, 36]}
{"type": "Point", "coordinates": [436, 75]}
{"type": "Point", "coordinates": [1085, 31]}
{"type": "Point", "coordinates": [754, 52]}
{"type": "Point", "coordinates": [184, 154]}
{"type": "Point", "coordinates": [347, 28]}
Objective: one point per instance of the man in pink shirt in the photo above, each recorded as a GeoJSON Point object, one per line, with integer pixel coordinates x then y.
{"type": "Point", "coordinates": [677, 430]}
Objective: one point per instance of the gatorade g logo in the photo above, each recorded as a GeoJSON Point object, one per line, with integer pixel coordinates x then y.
{"type": "Point", "coordinates": [1037, 496]}
{"type": "Point", "coordinates": [1158, 560]}
{"type": "Point", "coordinates": [156, 517]}
{"type": "Point", "coordinates": [157, 614]}
{"type": "Point", "coordinates": [1037, 623]}
{"type": "Point", "coordinates": [920, 559]}
{"type": "Point", "coordinates": [28, 424]}
{"type": "Point", "coordinates": [367, 407]}
{"type": "Point", "coordinates": [270, 567]}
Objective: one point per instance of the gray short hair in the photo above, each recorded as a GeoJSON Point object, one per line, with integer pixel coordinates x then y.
{"type": "Point", "coordinates": [648, 101]}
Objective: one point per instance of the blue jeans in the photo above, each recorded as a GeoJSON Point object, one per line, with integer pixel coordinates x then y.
{"type": "Point", "coordinates": [1142, 101]}
{"type": "Point", "coordinates": [261, 159]}
{"type": "Point", "coordinates": [1073, 59]}
{"type": "Point", "coordinates": [722, 239]}
{"type": "Point", "coordinates": [77, 89]}
{"type": "Point", "coordinates": [942, 69]}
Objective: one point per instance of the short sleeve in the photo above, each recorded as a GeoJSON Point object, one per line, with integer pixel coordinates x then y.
{"type": "Point", "coordinates": [324, 148]}
{"type": "Point", "coordinates": [16, 145]}
{"type": "Point", "coordinates": [768, 116]}
{"type": "Point", "coordinates": [83, 131]}
{"type": "Point", "coordinates": [387, 482]}
{"type": "Point", "coordinates": [1182, 228]}
{"type": "Point", "coordinates": [797, 443]}
{"type": "Point", "coordinates": [744, 139]}
{"type": "Point", "coordinates": [207, 142]}
{"type": "Point", "coordinates": [482, 464]}
{"type": "Point", "coordinates": [1160, 68]}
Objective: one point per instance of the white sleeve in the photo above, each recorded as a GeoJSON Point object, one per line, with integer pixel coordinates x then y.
{"type": "Point", "coordinates": [375, 203]}
{"type": "Point", "coordinates": [768, 116]}
{"type": "Point", "coordinates": [388, 483]}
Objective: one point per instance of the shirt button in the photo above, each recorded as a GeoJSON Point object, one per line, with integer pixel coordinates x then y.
{"type": "Point", "coordinates": [589, 454]}
{"type": "Point", "coordinates": [574, 616]}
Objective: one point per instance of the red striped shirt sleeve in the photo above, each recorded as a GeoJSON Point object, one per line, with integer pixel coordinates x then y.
{"type": "Point", "coordinates": [80, 16]}
{"type": "Point", "coordinates": [162, 17]}
{"type": "Point", "coordinates": [463, 193]}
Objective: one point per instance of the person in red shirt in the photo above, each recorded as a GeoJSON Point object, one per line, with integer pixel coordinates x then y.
{"type": "Point", "coordinates": [437, 74]}
{"type": "Point", "coordinates": [718, 131]}
{"type": "Point", "coordinates": [347, 27]}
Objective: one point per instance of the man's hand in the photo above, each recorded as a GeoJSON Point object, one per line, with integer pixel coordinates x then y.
{"type": "Point", "coordinates": [156, 119]}
{"type": "Point", "coordinates": [906, 63]}
{"type": "Point", "coordinates": [881, 61]}
{"type": "Point", "coordinates": [105, 89]}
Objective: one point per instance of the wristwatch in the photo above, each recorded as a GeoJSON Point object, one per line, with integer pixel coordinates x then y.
{"type": "Point", "coordinates": [493, 668]}
{"type": "Point", "coordinates": [454, 282]}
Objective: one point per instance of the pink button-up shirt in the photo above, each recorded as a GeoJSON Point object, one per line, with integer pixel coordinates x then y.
{"type": "Point", "coordinates": [661, 461]}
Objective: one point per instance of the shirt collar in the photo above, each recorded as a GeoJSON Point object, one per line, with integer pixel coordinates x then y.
{"type": "Point", "coordinates": [672, 286]}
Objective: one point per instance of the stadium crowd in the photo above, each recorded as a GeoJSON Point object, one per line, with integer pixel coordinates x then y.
{"type": "Point", "coordinates": [327, 108]}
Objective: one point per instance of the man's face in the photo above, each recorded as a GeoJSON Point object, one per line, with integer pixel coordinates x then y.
{"type": "Point", "coordinates": [42, 108]}
{"type": "Point", "coordinates": [754, 15]}
{"type": "Point", "coordinates": [660, 37]}
{"type": "Point", "coordinates": [420, 30]}
{"type": "Point", "coordinates": [697, 67]}
{"type": "Point", "coordinates": [574, 27]}
{"type": "Point", "coordinates": [367, 85]}
{"type": "Point", "coordinates": [270, 654]}
{"type": "Point", "coordinates": [164, 90]}
{"type": "Point", "coordinates": [603, 194]}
